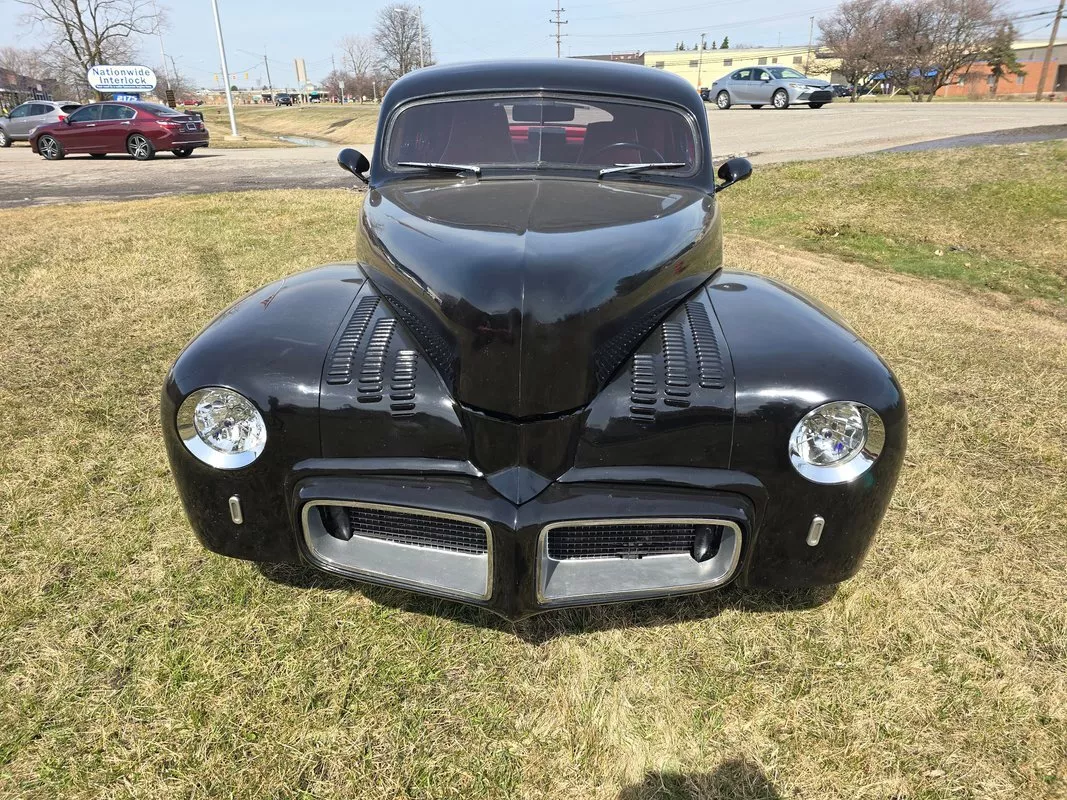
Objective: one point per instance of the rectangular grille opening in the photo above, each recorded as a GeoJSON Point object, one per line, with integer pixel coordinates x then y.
{"type": "Point", "coordinates": [630, 540]}
{"type": "Point", "coordinates": [420, 530]}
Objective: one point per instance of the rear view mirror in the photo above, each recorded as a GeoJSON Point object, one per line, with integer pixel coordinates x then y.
{"type": "Point", "coordinates": [355, 162]}
{"type": "Point", "coordinates": [537, 113]}
{"type": "Point", "coordinates": [765, 77]}
{"type": "Point", "coordinates": [733, 171]}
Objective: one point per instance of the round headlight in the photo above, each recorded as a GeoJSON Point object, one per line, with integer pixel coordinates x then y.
{"type": "Point", "coordinates": [836, 442]}
{"type": "Point", "coordinates": [221, 428]}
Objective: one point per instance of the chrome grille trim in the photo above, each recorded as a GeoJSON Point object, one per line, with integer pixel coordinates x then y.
{"type": "Point", "coordinates": [585, 580]}
{"type": "Point", "coordinates": [450, 572]}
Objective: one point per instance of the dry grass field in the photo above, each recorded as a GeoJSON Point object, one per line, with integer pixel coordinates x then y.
{"type": "Point", "coordinates": [335, 123]}
{"type": "Point", "coordinates": [133, 664]}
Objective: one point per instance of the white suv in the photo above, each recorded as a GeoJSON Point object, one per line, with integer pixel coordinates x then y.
{"type": "Point", "coordinates": [16, 125]}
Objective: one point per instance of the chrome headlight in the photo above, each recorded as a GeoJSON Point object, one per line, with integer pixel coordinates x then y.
{"type": "Point", "coordinates": [221, 428]}
{"type": "Point", "coordinates": [797, 86]}
{"type": "Point", "coordinates": [836, 442]}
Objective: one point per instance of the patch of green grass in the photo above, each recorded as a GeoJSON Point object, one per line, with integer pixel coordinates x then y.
{"type": "Point", "coordinates": [992, 217]}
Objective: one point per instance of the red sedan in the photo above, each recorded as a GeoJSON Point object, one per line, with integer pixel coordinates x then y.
{"type": "Point", "coordinates": [139, 129]}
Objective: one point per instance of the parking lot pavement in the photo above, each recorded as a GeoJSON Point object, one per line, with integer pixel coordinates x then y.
{"type": "Point", "coordinates": [844, 129]}
{"type": "Point", "coordinates": [766, 136]}
{"type": "Point", "coordinates": [27, 179]}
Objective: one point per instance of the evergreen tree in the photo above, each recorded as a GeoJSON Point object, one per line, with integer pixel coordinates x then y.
{"type": "Point", "coordinates": [1001, 57]}
{"type": "Point", "coordinates": [725, 43]}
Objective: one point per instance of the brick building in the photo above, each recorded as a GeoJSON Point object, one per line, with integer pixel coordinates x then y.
{"type": "Point", "coordinates": [977, 81]}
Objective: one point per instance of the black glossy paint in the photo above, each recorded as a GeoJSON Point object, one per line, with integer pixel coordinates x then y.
{"type": "Point", "coordinates": [530, 349]}
{"type": "Point", "coordinates": [529, 280]}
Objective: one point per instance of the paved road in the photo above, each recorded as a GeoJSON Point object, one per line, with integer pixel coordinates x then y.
{"type": "Point", "coordinates": [766, 136]}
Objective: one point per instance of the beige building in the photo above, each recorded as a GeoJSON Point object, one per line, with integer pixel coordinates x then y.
{"type": "Point", "coordinates": [701, 67]}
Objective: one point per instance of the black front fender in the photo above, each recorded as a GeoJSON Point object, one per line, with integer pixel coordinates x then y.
{"type": "Point", "coordinates": [790, 355]}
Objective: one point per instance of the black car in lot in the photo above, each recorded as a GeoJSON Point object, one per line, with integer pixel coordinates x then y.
{"type": "Point", "coordinates": [536, 385]}
{"type": "Point", "coordinates": [283, 99]}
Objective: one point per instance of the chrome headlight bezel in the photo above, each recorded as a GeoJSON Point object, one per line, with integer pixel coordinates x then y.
{"type": "Point", "coordinates": [850, 466]}
{"type": "Point", "coordinates": [200, 447]}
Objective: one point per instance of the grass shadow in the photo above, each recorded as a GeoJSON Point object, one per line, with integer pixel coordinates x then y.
{"type": "Point", "coordinates": [733, 779]}
{"type": "Point", "coordinates": [555, 624]}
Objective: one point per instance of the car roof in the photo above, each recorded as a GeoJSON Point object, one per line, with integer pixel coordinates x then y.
{"type": "Point", "coordinates": [559, 74]}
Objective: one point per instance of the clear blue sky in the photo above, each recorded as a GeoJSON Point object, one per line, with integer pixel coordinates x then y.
{"type": "Point", "coordinates": [469, 29]}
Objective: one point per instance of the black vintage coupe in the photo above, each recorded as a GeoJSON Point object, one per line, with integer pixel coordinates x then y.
{"type": "Point", "coordinates": [536, 386]}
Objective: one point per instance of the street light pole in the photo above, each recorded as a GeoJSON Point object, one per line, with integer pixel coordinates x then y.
{"type": "Point", "coordinates": [225, 68]}
{"type": "Point", "coordinates": [700, 63]}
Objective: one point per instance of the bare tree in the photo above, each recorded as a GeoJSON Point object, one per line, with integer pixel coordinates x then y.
{"type": "Point", "coordinates": [358, 54]}
{"type": "Point", "coordinates": [21, 61]}
{"type": "Point", "coordinates": [85, 33]}
{"type": "Point", "coordinates": [936, 39]}
{"type": "Point", "coordinates": [332, 83]}
{"type": "Point", "coordinates": [175, 81]}
{"type": "Point", "coordinates": [360, 58]}
{"type": "Point", "coordinates": [397, 39]}
{"type": "Point", "coordinates": [855, 35]}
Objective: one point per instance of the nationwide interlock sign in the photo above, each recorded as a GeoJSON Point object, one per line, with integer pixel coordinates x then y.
{"type": "Point", "coordinates": [122, 78]}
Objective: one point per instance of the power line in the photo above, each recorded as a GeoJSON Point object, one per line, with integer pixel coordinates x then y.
{"type": "Point", "coordinates": [745, 23]}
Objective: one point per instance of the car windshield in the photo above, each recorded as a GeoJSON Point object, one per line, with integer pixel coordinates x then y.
{"type": "Point", "coordinates": [541, 131]}
{"type": "Point", "coordinates": [786, 72]}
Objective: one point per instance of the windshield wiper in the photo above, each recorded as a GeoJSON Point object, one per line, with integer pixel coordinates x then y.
{"type": "Point", "coordinates": [472, 168]}
{"type": "Point", "coordinates": [639, 167]}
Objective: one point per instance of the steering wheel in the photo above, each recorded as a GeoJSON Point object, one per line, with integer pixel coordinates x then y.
{"type": "Point", "coordinates": [640, 148]}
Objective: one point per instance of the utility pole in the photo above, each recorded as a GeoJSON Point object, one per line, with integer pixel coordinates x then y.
{"type": "Point", "coordinates": [1048, 53]}
{"type": "Point", "coordinates": [225, 68]}
{"type": "Point", "coordinates": [811, 39]}
{"type": "Point", "coordinates": [270, 83]}
{"type": "Point", "coordinates": [700, 63]}
{"type": "Point", "coordinates": [558, 22]}
{"type": "Point", "coordinates": [174, 68]}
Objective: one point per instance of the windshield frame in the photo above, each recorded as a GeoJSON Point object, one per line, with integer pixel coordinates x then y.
{"type": "Point", "coordinates": [591, 171]}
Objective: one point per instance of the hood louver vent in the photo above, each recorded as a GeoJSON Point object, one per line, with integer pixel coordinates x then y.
{"type": "Point", "coordinates": [344, 354]}
{"type": "Point", "coordinates": [437, 350]}
{"type": "Point", "coordinates": [709, 358]}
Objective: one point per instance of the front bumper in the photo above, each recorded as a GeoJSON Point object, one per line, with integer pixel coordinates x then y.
{"type": "Point", "coordinates": [517, 575]}
{"type": "Point", "coordinates": [809, 95]}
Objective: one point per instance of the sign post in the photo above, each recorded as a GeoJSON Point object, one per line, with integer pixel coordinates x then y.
{"type": "Point", "coordinates": [341, 84]}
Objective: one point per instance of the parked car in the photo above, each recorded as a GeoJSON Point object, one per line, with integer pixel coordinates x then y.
{"type": "Point", "coordinates": [780, 87]}
{"type": "Point", "coordinates": [16, 125]}
{"type": "Point", "coordinates": [283, 99]}
{"type": "Point", "coordinates": [705, 93]}
{"type": "Point", "coordinates": [139, 129]}
{"type": "Point", "coordinates": [535, 385]}
{"type": "Point", "coordinates": [841, 90]}
{"type": "Point", "coordinates": [192, 101]}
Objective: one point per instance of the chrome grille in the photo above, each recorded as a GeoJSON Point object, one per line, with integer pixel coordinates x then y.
{"type": "Point", "coordinates": [625, 539]}
{"type": "Point", "coordinates": [417, 529]}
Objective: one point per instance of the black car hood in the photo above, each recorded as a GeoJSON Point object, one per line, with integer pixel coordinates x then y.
{"type": "Point", "coordinates": [529, 293]}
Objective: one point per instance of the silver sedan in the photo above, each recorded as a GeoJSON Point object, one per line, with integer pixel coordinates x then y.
{"type": "Point", "coordinates": [780, 87]}
{"type": "Point", "coordinates": [16, 125]}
